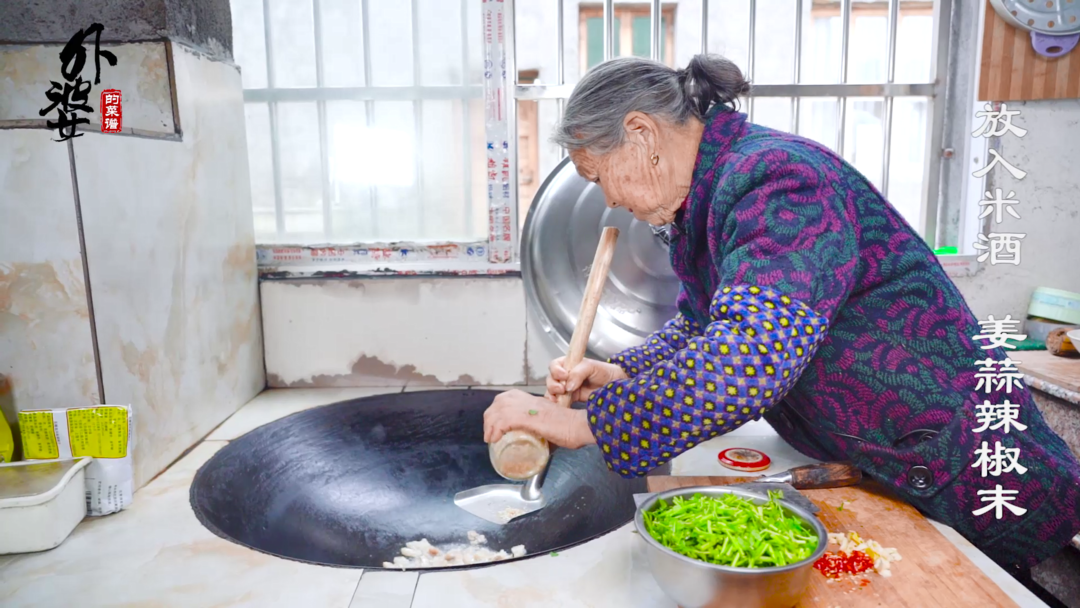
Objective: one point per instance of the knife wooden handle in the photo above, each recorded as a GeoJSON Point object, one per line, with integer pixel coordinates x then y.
{"type": "Point", "coordinates": [594, 289]}
{"type": "Point", "coordinates": [825, 475]}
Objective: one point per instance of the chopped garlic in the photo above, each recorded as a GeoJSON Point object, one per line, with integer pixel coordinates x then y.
{"type": "Point", "coordinates": [883, 557]}
{"type": "Point", "coordinates": [422, 554]}
{"type": "Point", "coordinates": [509, 513]}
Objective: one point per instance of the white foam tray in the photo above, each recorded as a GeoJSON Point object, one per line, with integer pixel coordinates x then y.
{"type": "Point", "coordinates": [49, 502]}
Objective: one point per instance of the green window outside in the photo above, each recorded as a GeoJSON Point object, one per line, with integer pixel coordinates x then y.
{"type": "Point", "coordinates": [594, 32]}
{"type": "Point", "coordinates": [641, 36]}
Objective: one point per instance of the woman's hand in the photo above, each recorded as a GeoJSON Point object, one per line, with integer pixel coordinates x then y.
{"type": "Point", "coordinates": [580, 382]}
{"type": "Point", "coordinates": [520, 411]}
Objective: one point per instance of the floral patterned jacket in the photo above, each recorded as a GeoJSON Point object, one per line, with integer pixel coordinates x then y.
{"type": "Point", "coordinates": [807, 299]}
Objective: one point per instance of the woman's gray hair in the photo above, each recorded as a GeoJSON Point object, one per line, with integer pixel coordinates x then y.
{"type": "Point", "coordinates": [594, 114]}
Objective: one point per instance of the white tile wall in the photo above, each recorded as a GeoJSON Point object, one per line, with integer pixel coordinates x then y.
{"type": "Point", "coordinates": [45, 347]}
{"type": "Point", "coordinates": [171, 250]}
{"type": "Point", "coordinates": [401, 331]}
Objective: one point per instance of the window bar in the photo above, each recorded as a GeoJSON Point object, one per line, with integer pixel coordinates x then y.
{"type": "Point", "coordinates": [704, 26]}
{"type": "Point", "coordinates": [560, 68]}
{"type": "Point", "coordinates": [369, 110]}
{"type": "Point", "coordinates": [654, 31]}
{"type": "Point", "coordinates": [894, 20]}
{"type": "Point", "coordinates": [796, 68]}
{"type": "Point", "coordinates": [511, 124]}
{"type": "Point", "coordinates": [324, 141]}
{"type": "Point", "coordinates": [560, 65]}
{"type": "Point", "coordinates": [609, 29]}
{"type": "Point", "coordinates": [750, 57]}
{"type": "Point", "coordinates": [449, 92]}
{"type": "Point", "coordinates": [935, 119]}
{"type": "Point", "coordinates": [543, 91]}
{"type": "Point", "coordinates": [466, 120]}
{"type": "Point", "coordinates": [275, 154]}
{"type": "Point", "coordinates": [418, 120]}
{"type": "Point", "coordinates": [845, 36]}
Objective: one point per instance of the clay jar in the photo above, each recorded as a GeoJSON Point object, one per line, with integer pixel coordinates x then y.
{"type": "Point", "coordinates": [519, 455]}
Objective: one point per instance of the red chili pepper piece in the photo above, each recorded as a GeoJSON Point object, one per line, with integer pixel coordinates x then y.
{"type": "Point", "coordinates": [835, 566]}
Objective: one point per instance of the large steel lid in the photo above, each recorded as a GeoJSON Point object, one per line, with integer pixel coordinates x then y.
{"type": "Point", "coordinates": [558, 243]}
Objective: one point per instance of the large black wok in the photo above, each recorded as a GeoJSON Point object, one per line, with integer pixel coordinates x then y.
{"type": "Point", "coordinates": [349, 484]}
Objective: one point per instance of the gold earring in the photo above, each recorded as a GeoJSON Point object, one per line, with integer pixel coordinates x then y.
{"type": "Point", "coordinates": [654, 158]}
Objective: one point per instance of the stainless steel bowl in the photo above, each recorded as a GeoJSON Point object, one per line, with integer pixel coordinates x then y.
{"type": "Point", "coordinates": [697, 584]}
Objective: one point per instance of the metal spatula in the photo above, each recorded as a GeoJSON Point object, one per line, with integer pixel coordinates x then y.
{"type": "Point", "coordinates": [499, 503]}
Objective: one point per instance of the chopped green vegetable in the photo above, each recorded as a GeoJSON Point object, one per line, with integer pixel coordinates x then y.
{"type": "Point", "coordinates": [841, 507]}
{"type": "Point", "coordinates": [533, 412]}
{"type": "Point", "coordinates": [730, 530]}
{"type": "Point", "coordinates": [554, 554]}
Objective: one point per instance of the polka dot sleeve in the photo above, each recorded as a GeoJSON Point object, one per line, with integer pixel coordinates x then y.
{"type": "Point", "coordinates": [659, 347]}
{"type": "Point", "coordinates": [746, 360]}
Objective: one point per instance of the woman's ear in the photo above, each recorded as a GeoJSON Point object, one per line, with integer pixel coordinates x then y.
{"type": "Point", "coordinates": [641, 129]}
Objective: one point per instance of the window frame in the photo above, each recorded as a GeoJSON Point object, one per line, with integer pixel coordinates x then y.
{"type": "Point", "coordinates": [320, 94]}
{"type": "Point", "coordinates": [933, 90]}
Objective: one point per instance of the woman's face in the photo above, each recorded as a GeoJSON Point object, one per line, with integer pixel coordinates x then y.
{"type": "Point", "coordinates": [630, 179]}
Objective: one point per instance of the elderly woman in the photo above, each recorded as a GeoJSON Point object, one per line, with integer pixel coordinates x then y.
{"type": "Point", "coordinates": [806, 299]}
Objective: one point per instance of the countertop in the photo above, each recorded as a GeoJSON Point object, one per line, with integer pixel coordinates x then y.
{"type": "Point", "coordinates": [1058, 376]}
{"type": "Point", "coordinates": [155, 552]}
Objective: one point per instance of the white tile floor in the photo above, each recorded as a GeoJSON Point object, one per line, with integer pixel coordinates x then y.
{"type": "Point", "coordinates": [385, 590]}
{"type": "Point", "coordinates": [155, 553]}
{"type": "Point", "coordinates": [609, 571]}
{"type": "Point", "coordinates": [413, 388]}
{"type": "Point", "coordinates": [278, 403]}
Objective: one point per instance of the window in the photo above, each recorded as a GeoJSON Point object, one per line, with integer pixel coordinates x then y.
{"type": "Point", "coordinates": [632, 35]}
{"type": "Point", "coordinates": [632, 38]}
{"type": "Point", "coordinates": [364, 118]}
{"type": "Point", "coordinates": [868, 62]}
{"type": "Point", "coordinates": [879, 119]}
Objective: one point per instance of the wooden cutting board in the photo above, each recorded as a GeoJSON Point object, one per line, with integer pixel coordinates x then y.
{"type": "Point", "coordinates": [1011, 70]}
{"type": "Point", "coordinates": [931, 572]}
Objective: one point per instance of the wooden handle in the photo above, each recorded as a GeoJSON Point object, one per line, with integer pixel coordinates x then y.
{"type": "Point", "coordinates": [594, 289]}
{"type": "Point", "coordinates": [825, 475]}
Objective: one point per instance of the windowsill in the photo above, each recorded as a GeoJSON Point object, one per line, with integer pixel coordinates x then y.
{"type": "Point", "coordinates": [459, 260]}
{"type": "Point", "coordinates": [960, 265]}
{"type": "Point", "coordinates": [363, 271]}
{"type": "Point", "coordinates": [283, 262]}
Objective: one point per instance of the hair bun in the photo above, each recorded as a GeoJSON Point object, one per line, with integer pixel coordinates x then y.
{"type": "Point", "coordinates": [709, 80]}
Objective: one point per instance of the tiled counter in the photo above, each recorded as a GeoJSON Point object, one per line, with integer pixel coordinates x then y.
{"type": "Point", "coordinates": [1055, 385]}
{"type": "Point", "coordinates": [155, 553]}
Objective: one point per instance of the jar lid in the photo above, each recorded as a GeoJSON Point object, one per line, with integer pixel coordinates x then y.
{"type": "Point", "coordinates": [744, 459]}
